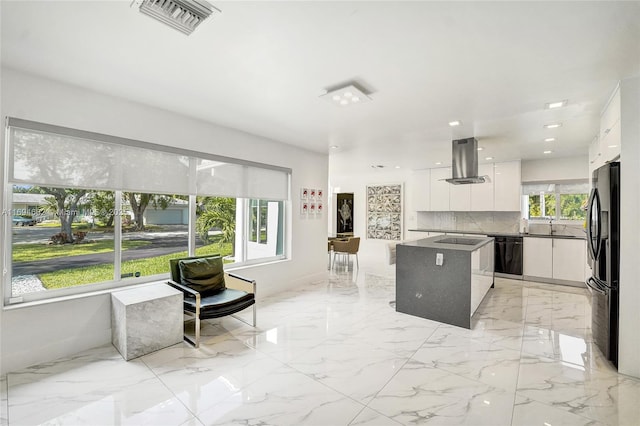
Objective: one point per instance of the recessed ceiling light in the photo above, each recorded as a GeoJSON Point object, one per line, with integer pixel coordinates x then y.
{"type": "Point", "coordinates": [346, 95]}
{"type": "Point", "coordinates": [550, 139]}
{"type": "Point", "coordinates": [547, 152]}
{"type": "Point", "coordinates": [480, 148]}
{"type": "Point", "coordinates": [612, 146]}
{"type": "Point", "coordinates": [557, 104]}
{"type": "Point", "coordinates": [397, 167]}
{"type": "Point", "coordinates": [552, 125]}
{"type": "Point", "coordinates": [438, 163]}
{"type": "Point", "coordinates": [488, 158]}
{"type": "Point", "coordinates": [455, 123]}
{"type": "Point", "coordinates": [334, 147]}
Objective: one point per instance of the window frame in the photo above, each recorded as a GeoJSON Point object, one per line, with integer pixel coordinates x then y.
{"type": "Point", "coordinates": [118, 281]}
{"type": "Point", "coordinates": [557, 193]}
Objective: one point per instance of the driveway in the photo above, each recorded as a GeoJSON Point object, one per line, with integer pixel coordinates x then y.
{"type": "Point", "coordinates": [161, 243]}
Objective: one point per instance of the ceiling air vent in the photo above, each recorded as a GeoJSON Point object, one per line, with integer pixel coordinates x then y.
{"type": "Point", "coordinates": [183, 15]}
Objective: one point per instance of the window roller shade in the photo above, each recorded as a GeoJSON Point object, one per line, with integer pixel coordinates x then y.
{"type": "Point", "coordinates": [76, 159]}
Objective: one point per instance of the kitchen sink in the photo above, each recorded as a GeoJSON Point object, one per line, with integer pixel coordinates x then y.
{"type": "Point", "coordinates": [462, 241]}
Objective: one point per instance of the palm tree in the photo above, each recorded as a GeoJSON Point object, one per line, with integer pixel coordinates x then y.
{"type": "Point", "coordinates": [217, 212]}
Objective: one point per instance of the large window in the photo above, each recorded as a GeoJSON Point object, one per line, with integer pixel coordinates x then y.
{"type": "Point", "coordinates": [111, 212]}
{"type": "Point", "coordinates": [557, 201]}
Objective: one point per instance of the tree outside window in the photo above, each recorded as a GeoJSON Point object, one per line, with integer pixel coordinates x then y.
{"type": "Point", "coordinates": [557, 201]}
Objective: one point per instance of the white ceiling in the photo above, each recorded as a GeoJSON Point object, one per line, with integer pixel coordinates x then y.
{"type": "Point", "coordinates": [261, 67]}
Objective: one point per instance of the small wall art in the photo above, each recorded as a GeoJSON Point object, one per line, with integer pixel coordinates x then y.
{"type": "Point", "coordinates": [311, 204]}
{"type": "Point", "coordinates": [384, 212]}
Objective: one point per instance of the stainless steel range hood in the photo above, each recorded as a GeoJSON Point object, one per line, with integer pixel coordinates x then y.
{"type": "Point", "coordinates": [464, 157]}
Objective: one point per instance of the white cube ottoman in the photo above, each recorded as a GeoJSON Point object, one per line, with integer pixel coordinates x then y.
{"type": "Point", "coordinates": [145, 319]}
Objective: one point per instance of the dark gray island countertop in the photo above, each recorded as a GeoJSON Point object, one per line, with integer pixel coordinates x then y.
{"type": "Point", "coordinates": [449, 242]}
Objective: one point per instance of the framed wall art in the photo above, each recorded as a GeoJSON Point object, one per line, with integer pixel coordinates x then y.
{"type": "Point", "coordinates": [384, 212]}
{"type": "Point", "coordinates": [344, 213]}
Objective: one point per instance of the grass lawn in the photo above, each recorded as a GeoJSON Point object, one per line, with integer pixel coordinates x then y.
{"type": "Point", "coordinates": [146, 267]}
{"type": "Point", "coordinates": [37, 251]}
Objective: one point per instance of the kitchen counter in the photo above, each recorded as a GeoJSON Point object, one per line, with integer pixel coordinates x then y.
{"type": "Point", "coordinates": [502, 234]}
{"type": "Point", "coordinates": [442, 241]}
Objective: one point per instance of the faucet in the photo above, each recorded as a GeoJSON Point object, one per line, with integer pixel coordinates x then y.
{"type": "Point", "coordinates": [551, 230]}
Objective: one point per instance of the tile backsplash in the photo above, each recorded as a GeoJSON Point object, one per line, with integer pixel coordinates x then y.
{"type": "Point", "coordinates": [492, 222]}
{"type": "Point", "coordinates": [486, 222]}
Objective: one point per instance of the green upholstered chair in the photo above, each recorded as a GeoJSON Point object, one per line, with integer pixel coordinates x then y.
{"type": "Point", "coordinates": [209, 291]}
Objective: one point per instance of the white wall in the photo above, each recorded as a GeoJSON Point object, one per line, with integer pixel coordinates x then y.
{"type": "Point", "coordinates": [629, 351]}
{"type": "Point", "coordinates": [45, 332]}
{"type": "Point", "coordinates": [555, 169]}
{"type": "Point", "coordinates": [374, 250]}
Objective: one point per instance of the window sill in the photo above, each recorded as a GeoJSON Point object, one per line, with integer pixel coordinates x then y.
{"type": "Point", "coordinates": [69, 297]}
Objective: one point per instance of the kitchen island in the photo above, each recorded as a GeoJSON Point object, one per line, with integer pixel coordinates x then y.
{"type": "Point", "coordinates": [444, 278]}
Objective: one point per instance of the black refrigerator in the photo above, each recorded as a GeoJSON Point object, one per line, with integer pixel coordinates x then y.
{"type": "Point", "coordinates": [603, 242]}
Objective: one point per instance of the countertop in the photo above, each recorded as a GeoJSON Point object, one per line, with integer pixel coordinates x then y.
{"type": "Point", "coordinates": [502, 234]}
{"type": "Point", "coordinates": [434, 242]}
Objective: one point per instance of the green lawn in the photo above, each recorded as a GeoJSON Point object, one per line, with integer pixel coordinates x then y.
{"type": "Point", "coordinates": [33, 252]}
{"type": "Point", "coordinates": [146, 267]}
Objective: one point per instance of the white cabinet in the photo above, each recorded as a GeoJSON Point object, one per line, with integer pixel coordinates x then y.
{"type": "Point", "coordinates": [606, 146]}
{"type": "Point", "coordinates": [420, 189]}
{"type": "Point", "coordinates": [538, 257]}
{"type": "Point", "coordinates": [482, 193]}
{"type": "Point", "coordinates": [439, 189]}
{"type": "Point", "coordinates": [500, 192]}
{"type": "Point", "coordinates": [595, 156]}
{"type": "Point", "coordinates": [460, 198]}
{"type": "Point", "coordinates": [507, 186]}
{"type": "Point", "coordinates": [610, 144]}
{"type": "Point", "coordinates": [569, 257]}
{"type": "Point", "coordinates": [611, 113]}
{"type": "Point", "coordinates": [555, 258]}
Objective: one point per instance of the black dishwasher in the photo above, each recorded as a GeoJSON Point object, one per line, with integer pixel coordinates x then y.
{"type": "Point", "coordinates": [508, 256]}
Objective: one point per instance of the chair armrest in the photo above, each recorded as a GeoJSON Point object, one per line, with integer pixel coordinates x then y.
{"type": "Point", "coordinates": [240, 283]}
{"type": "Point", "coordinates": [183, 288]}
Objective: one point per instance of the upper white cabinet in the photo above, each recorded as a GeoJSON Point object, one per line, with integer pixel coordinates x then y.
{"type": "Point", "coordinates": [460, 198]}
{"type": "Point", "coordinates": [501, 191]}
{"type": "Point", "coordinates": [439, 189]}
{"type": "Point", "coordinates": [595, 156]}
{"type": "Point", "coordinates": [482, 193]}
{"type": "Point", "coordinates": [606, 147]}
{"type": "Point", "coordinates": [507, 186]}
{"type": "Point", "coordinates": [420, 190]}
{"type": "Point", "coordinates": [611, 114]}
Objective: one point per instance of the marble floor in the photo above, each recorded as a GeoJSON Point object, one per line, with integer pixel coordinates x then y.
{"type": "Point", "coordinates": [337, 353]}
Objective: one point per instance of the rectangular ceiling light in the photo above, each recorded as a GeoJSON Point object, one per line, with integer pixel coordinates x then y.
{"type": "Point", "coordinates": [347, 95]}
{"type": "Point", "coordinates": [557, 104]}
{"type": "Point", "coordinates": [183, 15]}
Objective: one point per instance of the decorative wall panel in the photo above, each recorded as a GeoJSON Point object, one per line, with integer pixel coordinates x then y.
{"type": "Point", "coordinates": [384, 212]}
